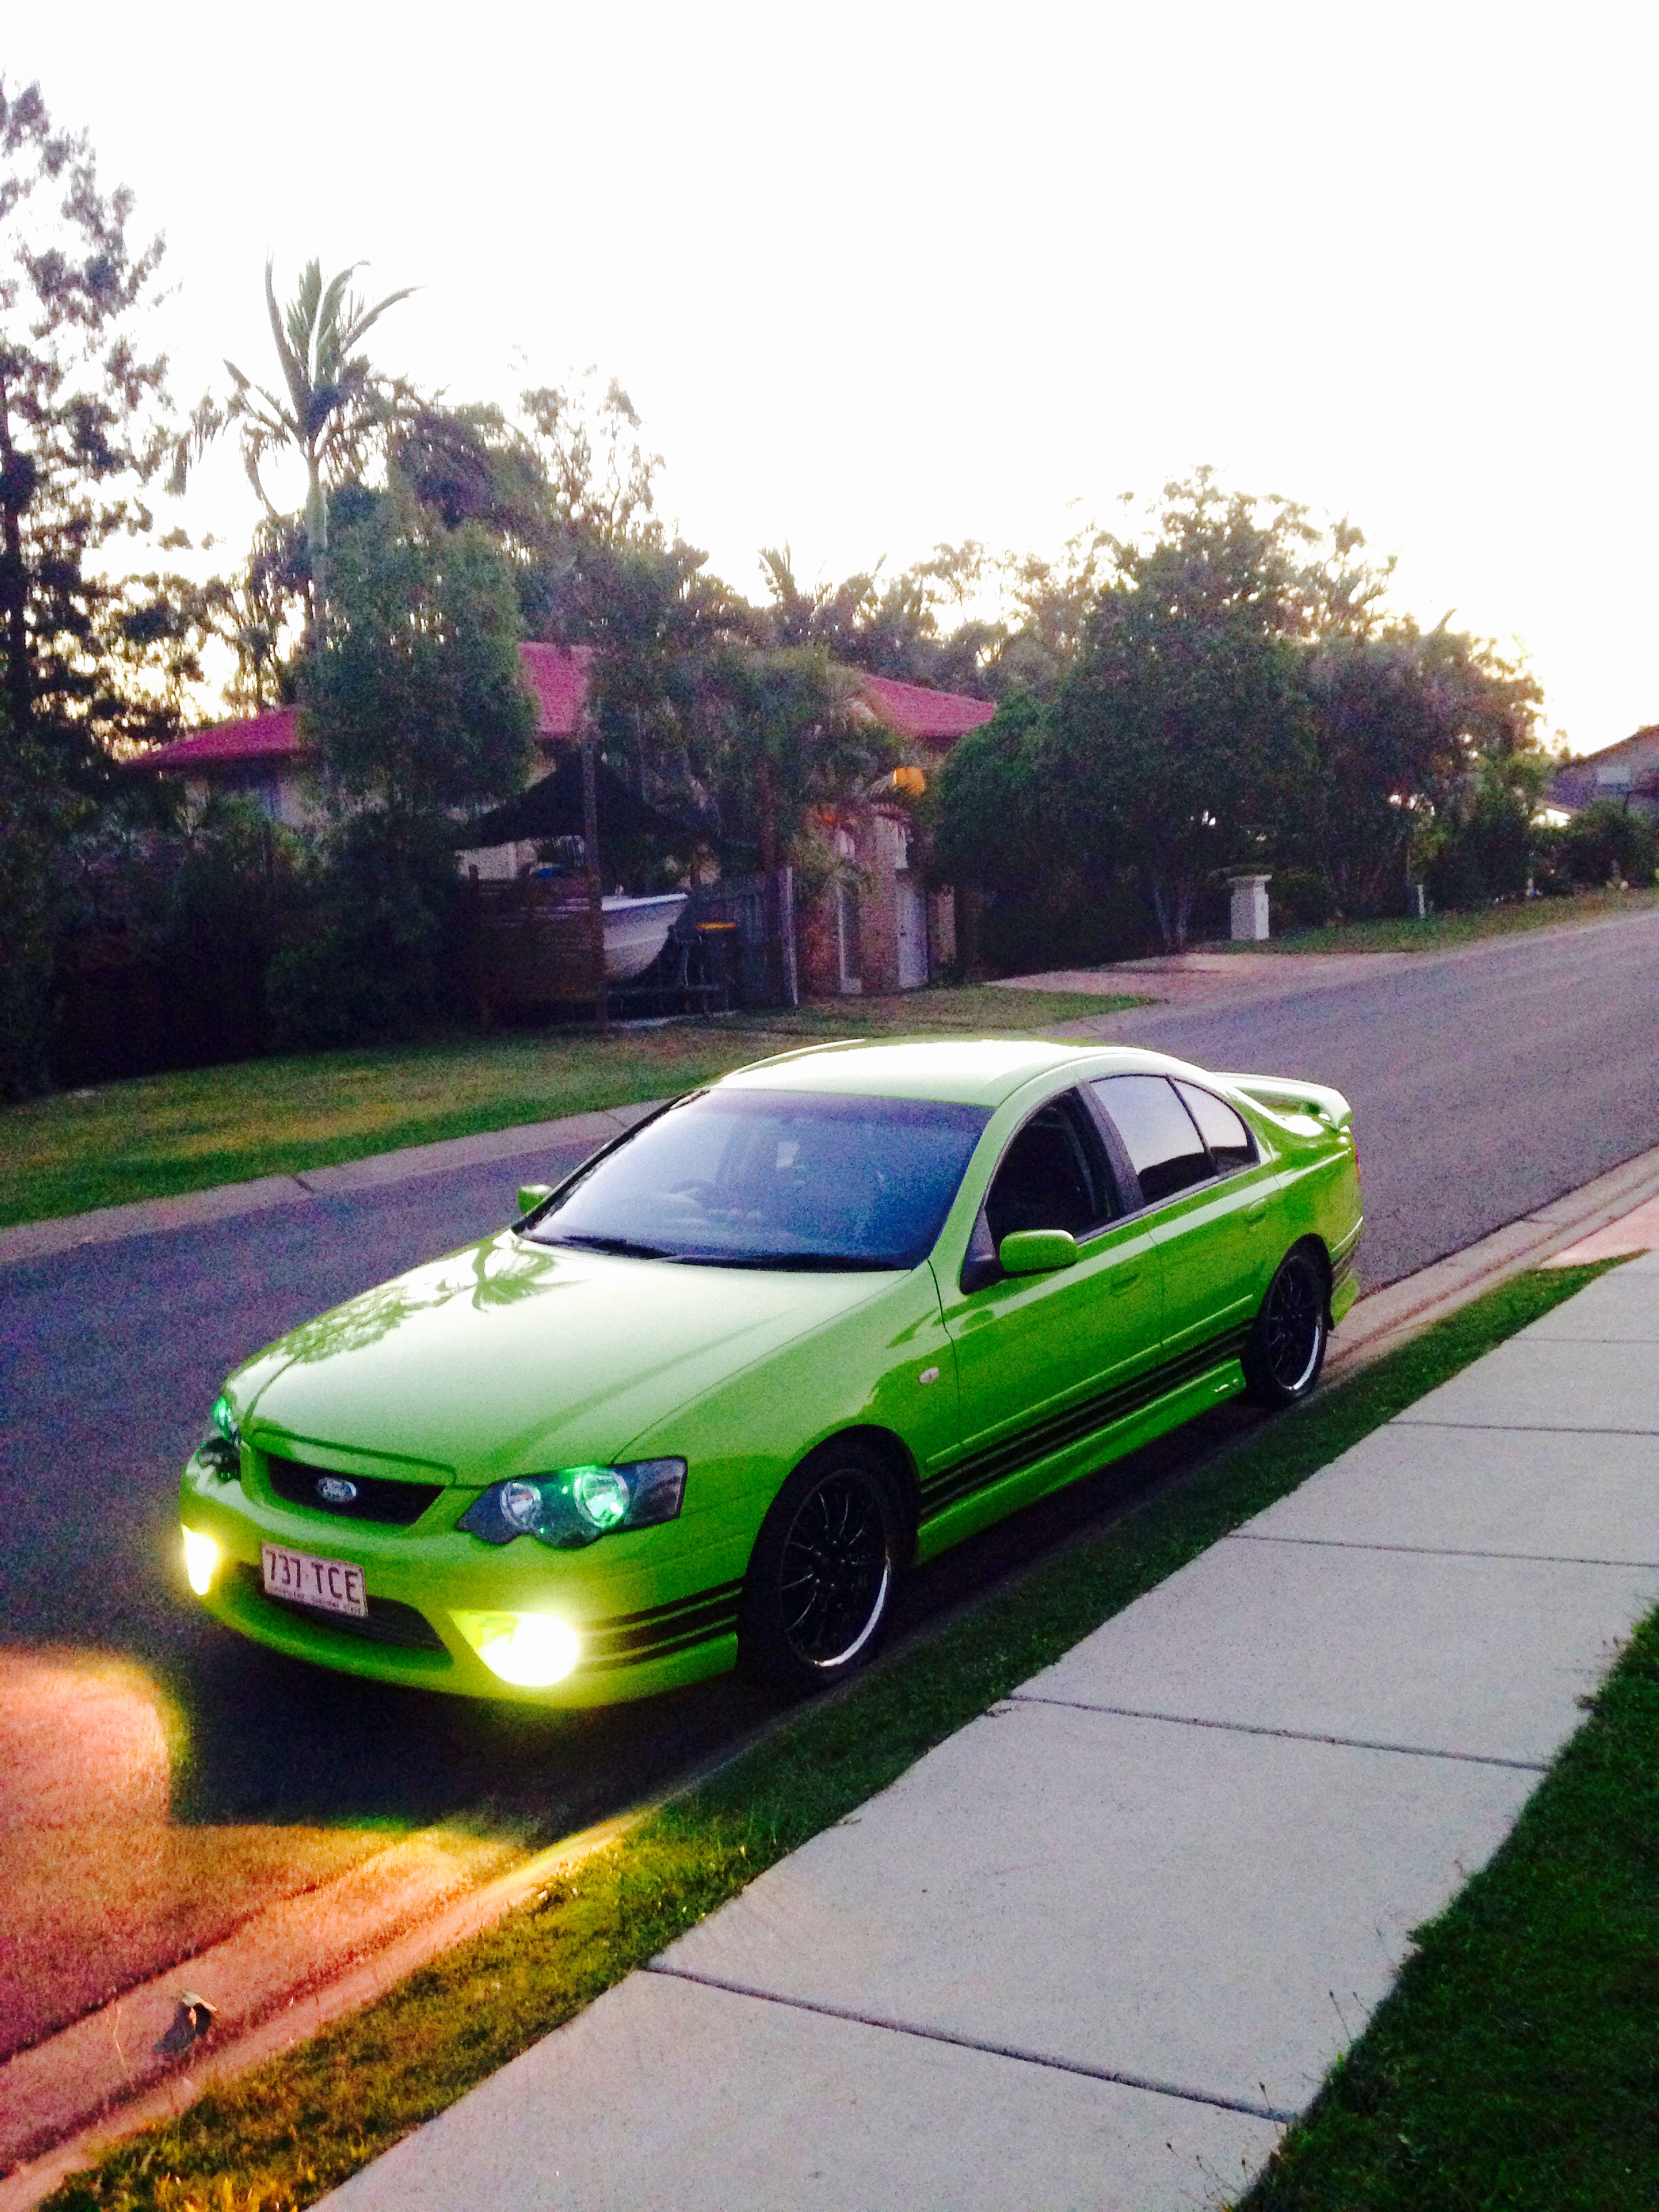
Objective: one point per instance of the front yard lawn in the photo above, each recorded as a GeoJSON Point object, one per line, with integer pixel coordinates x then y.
{"type": "Point", "coordinates": [1439, 932]}
{"type": "Point", "coordinates": [160, 1134]}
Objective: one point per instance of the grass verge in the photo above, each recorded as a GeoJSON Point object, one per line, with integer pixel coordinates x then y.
{"type": "Point", "coordinates": [1440, 933]}
{"type": "Point", "coordinates": [1516, 2061]}
{"type": "Point", "coordinates": [158, 1135]}
{"type": "Point", "coordinates": [282, 2134]}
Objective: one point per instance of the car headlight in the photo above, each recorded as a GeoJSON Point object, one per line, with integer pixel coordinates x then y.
{"type": "Point", "coordinates": [532, 1651]}
{"type": "Point", "coordinates": [579, 1504]}
{"type": "Point", "coordinates": [201, 1560]}
{"type": "Point", "coordinates": [221, 1448]}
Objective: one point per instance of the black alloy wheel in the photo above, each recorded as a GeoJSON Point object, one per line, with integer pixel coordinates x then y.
{"type": "Point", "coordinates": [1285, 1349]}
{"type": "Point", "coordinates": [821, 1582]}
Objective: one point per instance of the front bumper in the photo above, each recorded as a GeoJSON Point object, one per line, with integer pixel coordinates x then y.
{"type": "Point", "coordinates": [651, 1608]}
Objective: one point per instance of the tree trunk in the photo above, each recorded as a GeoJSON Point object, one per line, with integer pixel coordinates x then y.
{"type": "Point", "coordinates": [771, 912]}
{"type": "Point", "coordinates": [595, 891]}
{"type": "Point", "coordinates": [13, 584]}
{"type": "Point", "coordinates": [317, 548]}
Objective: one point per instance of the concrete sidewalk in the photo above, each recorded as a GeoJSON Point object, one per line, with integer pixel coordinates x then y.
{"type": "Point", "coordinates": [1097, 1948]}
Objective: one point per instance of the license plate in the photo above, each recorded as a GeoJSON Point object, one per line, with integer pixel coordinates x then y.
{"type": "Point", "coordinates": [306, 1580]}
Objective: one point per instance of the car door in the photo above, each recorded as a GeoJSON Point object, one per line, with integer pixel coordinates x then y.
{"type": "Point", "coordinates": [1206, 1189]}
{"type": "Point", "coordinates": [1034, 1351]}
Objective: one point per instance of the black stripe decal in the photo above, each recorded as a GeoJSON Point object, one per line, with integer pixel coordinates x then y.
{"type": "Point", "coordinates": [672, 1605]}
{"type": "Point", "coordinates": [605, 1642]}
{"type": "Point", "coordinates": [628, 1640]}
{"type": "Point", "coordinates": [728, 1628]}
{"type": "Point", "coordinates": [981, 1468]}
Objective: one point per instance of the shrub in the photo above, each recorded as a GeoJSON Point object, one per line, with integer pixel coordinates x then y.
{"type": "Point", "coordinates": [1606, 838]}
{"type": "Point", "coordinates": [376, 954]}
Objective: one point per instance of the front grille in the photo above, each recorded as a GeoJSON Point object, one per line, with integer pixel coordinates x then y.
{"type": "Point", "coordinates": [389, 1621]}
{"type": "Point", "coordinates": [377, 1499]}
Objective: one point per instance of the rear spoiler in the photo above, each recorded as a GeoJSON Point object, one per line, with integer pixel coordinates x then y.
{"type": "Point", "coordinates": [1284, 1096]}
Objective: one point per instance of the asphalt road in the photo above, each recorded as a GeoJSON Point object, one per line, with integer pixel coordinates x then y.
{"type": "Point", "coordinates": [1485, 1084]}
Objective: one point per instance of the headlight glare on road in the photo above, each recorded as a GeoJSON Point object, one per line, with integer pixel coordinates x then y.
{"type": "Point", "coordinates": [201, 1560]}
{"type": "Point", "coordinates": [532, 1651]}
{"type": "Point", "coordinates": [579, 1504]}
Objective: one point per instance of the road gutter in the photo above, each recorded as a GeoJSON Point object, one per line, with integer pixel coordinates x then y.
{"type": "Point", "coordinates": [381, 1947]}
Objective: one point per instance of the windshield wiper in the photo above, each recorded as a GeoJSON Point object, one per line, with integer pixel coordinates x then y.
{"type": "Point", "coordinates": [623, 1246]}
{"type": "Point", "coordinates": [799, 1262]}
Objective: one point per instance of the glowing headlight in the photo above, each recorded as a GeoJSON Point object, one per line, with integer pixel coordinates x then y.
{"type": "Point", "coordinates": [579, 1503]}
{"type": "Point", "coordinates": [201, 1559]}
{"type": "Point", "coordinates": [532, 1651]}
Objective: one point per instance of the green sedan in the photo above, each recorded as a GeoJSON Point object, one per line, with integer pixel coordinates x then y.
{"type": "Point", "coordinates": [711, 1396]}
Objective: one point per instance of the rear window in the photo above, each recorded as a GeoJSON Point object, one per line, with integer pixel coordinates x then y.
{"type": "Point", "coordinates": [774, 1178]}
{"type": "Point", "coordinates": [1230, 1143]}
{"type": "Point", "coordinates": [1158, 1133]}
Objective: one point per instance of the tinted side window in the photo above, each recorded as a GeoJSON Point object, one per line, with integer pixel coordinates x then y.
{"type": "Point", "coordinates": [1230, 1143]}
{"type": "Point", "coordinates": [1052, 1176]}
{"type": "Point", "coordinates": [1158, 1133]}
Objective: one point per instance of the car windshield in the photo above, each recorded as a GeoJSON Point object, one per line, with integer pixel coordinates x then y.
{"type": "Point", "coordinates": [773, 1179]}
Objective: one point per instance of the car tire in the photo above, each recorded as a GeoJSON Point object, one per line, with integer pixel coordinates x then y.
{"type": "Point", "coordinates": [1286, 1348]}
{"type": "Point", "coordinates": [819, 1591]}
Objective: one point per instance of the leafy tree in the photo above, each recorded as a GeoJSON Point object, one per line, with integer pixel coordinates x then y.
{"type": "Point", "coordinates": [800, 748]}
{"type": "Point", "coordinates": [80, 432]}
{"type": "Point", "coordinates": [415, 694]}
{"type": "Point", "coordinates": [413, 698]}
{"type": "Point", "coordinates": [1180, 730]}
{"type": "Point", "coordinates": [1401, 722]}
{"type": "Point", "coordinates": [332, 405]}
{"type": "Point", "coordinates": [994, 823]}
{"type": "Point", "coordinates": [897, 628]}
{"type": "Point", "coordinates": [1608, 838]}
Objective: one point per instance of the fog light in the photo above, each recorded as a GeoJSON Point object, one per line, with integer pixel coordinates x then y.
{"type": "Point", "coordinates": [532, 1651]}
{"type": "Point", "coordinates": [201, 1558]}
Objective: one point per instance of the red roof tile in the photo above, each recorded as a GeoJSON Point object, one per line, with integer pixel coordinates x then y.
{"type": "Point", "coordinates": [914, 711]}
{"type": "Point", "coordinates": [272, 736]}
{"type": "Point", "coordinates": [557, 677]}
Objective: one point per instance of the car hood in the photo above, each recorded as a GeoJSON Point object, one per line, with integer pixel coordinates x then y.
{"type": "Point", "coordinates": [511, 1356]}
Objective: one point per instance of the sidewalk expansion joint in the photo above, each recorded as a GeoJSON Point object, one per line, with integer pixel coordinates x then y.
{"type": "Point", "coordinates": [1431, 1551]}
{"type": "Point", "coordinates": [1289, 1735]}
{"type": "Point", "coordinates": [1524, 1428]}
{"type": "Point", "coordinates": [975, 2043]}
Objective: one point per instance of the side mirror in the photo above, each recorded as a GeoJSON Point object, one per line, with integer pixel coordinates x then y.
{"type": "Point", "coordinates": [1037, 1251]}
{"type": "Point", "coordinates": [530, 1196]}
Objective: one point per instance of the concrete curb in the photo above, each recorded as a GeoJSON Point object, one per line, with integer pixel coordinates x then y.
{"type": "Point", "coordinates": [39, 1240]}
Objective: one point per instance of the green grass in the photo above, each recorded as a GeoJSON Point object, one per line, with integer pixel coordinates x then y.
{"type": "Point", "coordinates": [281, 2135]}
{"type": "Point", "coordinates": [1515, 2063]}
{"type": "Point", "coordinates": [1440, 933]}
{"type": "Point", "coordinates": [158, 1135]}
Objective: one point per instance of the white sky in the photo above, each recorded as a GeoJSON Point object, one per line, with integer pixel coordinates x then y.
{"type": "Point", "coordinates": [879, 276]}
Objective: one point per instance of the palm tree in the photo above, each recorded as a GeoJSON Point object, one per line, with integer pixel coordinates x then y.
{"type": "Point", "coordinates": [803, 746]}
{"type": "Point", "coordinates": [334, 400]}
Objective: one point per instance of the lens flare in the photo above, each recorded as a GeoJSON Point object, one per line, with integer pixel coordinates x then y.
{"type": "Point", "coordinates": [532, 1651]}
{"type": "Point", "coordinates": [201, 1560]}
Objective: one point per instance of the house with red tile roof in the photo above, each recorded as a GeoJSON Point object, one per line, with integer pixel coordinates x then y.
{"type": "Point", "coordinates": [879, 930]}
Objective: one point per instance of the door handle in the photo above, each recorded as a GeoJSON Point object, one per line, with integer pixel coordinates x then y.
{"type": "Point", "coordinates": [1124, 1279]}
{"type": "Point", "coordinates": [1257, 1215]}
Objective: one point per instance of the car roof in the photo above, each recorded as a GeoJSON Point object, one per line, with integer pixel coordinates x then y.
{"type": "Point", "coordinates": [971, 1071]}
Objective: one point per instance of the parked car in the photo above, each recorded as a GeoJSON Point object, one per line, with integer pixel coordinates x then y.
{"type": "Point", "coordinates": [709, 1398]}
